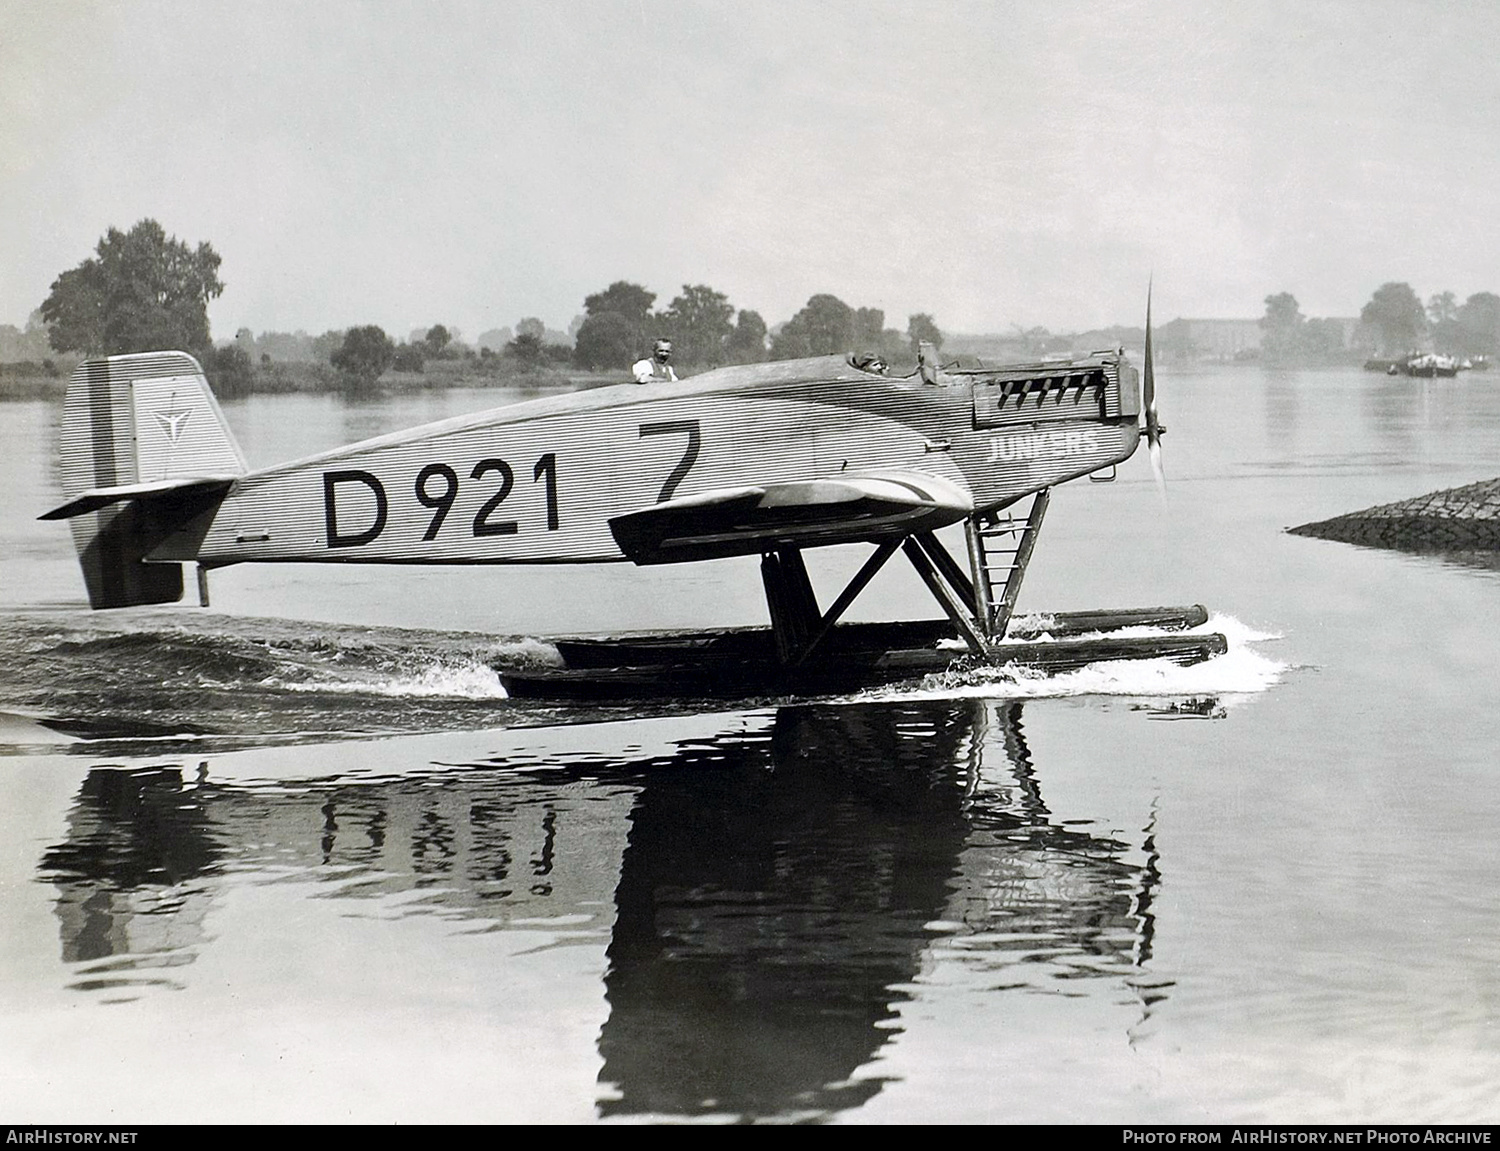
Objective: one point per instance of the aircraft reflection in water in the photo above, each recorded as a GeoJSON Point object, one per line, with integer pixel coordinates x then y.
{"type": "Point", "coordinates": [772, 888]}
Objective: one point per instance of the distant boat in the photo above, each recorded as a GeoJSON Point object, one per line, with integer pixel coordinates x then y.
{"type": "Point", "coordinates": [1430, 365]}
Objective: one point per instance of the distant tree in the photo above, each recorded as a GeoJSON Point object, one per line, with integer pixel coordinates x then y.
{"type": "Point", "coordinates": [698, 322]}
{"type": "Point", "coordinates": [747, 343]}
{"type": "Point", "coordinates": [409, 358]}
{"type": "Point", "coordinates": [231, 370]}
{"type": "Point", "coordinates": [1282, 328]}
{"type": "Point", "coordinates": [291, 346]}
{"type": "Point", "coordinates": [323, 347]}
{"type": "Point", "coordinates": [869, 323]}
{"type": "Point", "coordinates": [788, 341]}
{"type": "Point", "coordinates": [31, 345]}
{"type": "Point", "coordinates": [495, 339]}
{"type": "Point", "coordinates": [1395, 312]}
{"type": "Point", "coordinates": [365, 355]}
{"type": "Point", "coordinates": [10, 344]}
{"type": "Point", "coordinates": [1323, 339]}
{"type": "Point", "coordinates": [435, 342]}
{"type": "Point", "coordinates": [607, 340]}
{"type": "Point", "coordinates": [1479, 325]}
{"type": "Point", "coordinates": [623, 298]}
{"type": "Point", "coordinates": [75, 311]}
{"type": "Point", "coordinates": [531, 326]}
{"type": "Point", "coordinates": [1033, 340]}
{"type": "Point", "coordinates": [894, 348]}
{"type": "Point", "coordinates": [1442, 317]}
{"type": "Point", "coordinates": [830, 325]}
{"type": "Point", "coordinates": [527, 349]}
{"type": "Point", "coordinates": [922, 327]}
{"type": "Point", "coordinates": [142, 291]}
{"type": "Point", "coordinates": [631, 304]}
{"type": "Point", "coordinates": [824, 326]}
{"type": "Point", "coordinates": [1282, 311]}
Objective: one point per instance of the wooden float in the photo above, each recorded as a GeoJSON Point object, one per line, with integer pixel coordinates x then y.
{"type": "Point", "coordinates": [746, 662]}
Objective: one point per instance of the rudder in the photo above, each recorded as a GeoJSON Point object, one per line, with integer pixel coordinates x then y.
{"type": "Point", "coordinates": [145, 449]}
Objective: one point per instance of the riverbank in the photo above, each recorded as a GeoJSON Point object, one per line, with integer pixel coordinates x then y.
{"type": "Point", "coordinates": [32, 381]}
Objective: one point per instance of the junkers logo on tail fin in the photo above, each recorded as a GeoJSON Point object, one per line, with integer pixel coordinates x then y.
{"type": "Point", "coordinates": [173, 421]}
{"type": "Point", "coordinates": [1054, 443]}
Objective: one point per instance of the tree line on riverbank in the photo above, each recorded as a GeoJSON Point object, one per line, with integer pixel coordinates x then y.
{"type": "Point", "coordinates": [1394, 322]}
{"type": "Point", "coordinates": [143, 291]}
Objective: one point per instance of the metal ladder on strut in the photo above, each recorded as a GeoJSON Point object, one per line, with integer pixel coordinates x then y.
{"type": "Point", "coordinates": [1000, 547]}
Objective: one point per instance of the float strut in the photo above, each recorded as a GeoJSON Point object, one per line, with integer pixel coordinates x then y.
{"type": "Point", "coordinates": [952, 571]}
{"type": "Point", "coordinates": [945, 595]}
{"type": "Point", "coordinates": [797, 624]}
{"type": "Point", "coordinates": [846, 597]}
{"type": "Point", "coordinates": [790, 600]}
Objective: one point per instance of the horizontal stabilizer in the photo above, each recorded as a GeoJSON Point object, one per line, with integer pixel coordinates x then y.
{"type": "Point", "coordinates": [850, 507]}
{"type": "Point", "coordinates": [96, 498]}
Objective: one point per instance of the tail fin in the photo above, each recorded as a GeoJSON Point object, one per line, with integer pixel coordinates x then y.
{"type": "Point", "coordinates": [145, 453]}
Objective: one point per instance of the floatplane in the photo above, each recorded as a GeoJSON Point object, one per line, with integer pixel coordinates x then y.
{"type": "Point", "coordinates": [765, 459]}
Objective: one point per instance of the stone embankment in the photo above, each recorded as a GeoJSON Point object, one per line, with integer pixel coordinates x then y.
{"type": "Point", "coordinates": [1456, 519]}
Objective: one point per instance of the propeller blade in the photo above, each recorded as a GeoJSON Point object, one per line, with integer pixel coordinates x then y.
{"type": "Point", "coordinates": [1148, 378]}
{"type": "Point", "coordinates": [1153, 449]}
{"type": "Point", "coordinates": [1153, 428]}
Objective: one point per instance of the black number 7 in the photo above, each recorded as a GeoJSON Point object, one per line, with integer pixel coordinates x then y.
{"type": "Point", "coordinates": [689, 457]}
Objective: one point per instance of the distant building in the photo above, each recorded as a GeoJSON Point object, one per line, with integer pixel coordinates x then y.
{"type": "Point", "coordinates": [1183, 339]}
{"type": "Point", "coordinates": [1210, 339]}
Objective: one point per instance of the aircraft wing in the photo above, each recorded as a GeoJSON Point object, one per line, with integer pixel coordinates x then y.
{"type": "Point", "coordinates": [844, 508]}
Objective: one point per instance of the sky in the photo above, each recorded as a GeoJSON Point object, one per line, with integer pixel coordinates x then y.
{"type": "Point", "coordinates": [993, 164]}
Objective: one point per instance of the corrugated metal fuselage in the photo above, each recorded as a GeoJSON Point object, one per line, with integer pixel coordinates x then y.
{"type": "Point", "coordinates": [538, 481]}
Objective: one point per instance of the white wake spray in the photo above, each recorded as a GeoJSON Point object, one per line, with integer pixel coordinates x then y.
{"type": "Point", "coordinates": [1242, 670]}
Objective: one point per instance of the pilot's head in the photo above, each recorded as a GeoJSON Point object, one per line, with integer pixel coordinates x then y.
{"type": "Point", "coordinates": [662, 352]}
